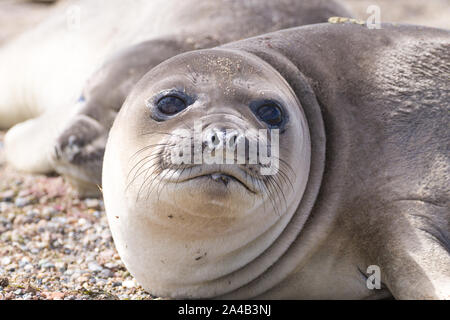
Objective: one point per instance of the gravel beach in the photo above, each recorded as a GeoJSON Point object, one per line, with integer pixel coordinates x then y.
{"type": "Point", "coordinates": [54, 245]}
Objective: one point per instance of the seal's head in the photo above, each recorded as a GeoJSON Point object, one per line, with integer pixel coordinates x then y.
{"type": "Point", "coordinates": [205, 165]}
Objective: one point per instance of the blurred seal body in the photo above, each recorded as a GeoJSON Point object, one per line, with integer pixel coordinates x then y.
{"type": "Point", "coordinates": [363, 182]}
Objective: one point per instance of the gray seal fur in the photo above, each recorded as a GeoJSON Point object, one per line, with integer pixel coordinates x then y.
{"type": "Point", "coordinates": [377, 107]}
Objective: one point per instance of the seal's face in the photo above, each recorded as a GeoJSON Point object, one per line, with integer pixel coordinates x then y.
{"type": "Point", "coordinates": [212, 147]}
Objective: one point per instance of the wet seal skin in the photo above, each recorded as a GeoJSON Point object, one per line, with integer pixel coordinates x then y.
{"type": "Point", "coordinates": [61, 86]}
{"type": "Point", "coordinates": [363, 179]}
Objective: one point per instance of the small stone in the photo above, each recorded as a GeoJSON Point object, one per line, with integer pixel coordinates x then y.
{"type": "Point", "coordinates": [97, 214]}
{"type": "Point", "coordinates": [48, 265]}
{"type": "Point", "coordinates": [32, 213]}
{"type": "Point", "coordinates": [23, 262]}
{"type": "Point", "coordinates": [6, 261]}
{"type": "Point", "coordinates": [54, 295]}
{"type": "Point", "coordinates": [48, 212]}
{"type": "Point", "coordinates": [28, 268]}
{"type": "Point", "coordinates": [129, 284]}
{"type": "Point", "coordinates": [106, 273]}
{"type": "Point", "coordinates": [61, 266]}
{"type": "Point", "coordinates": [92, 203]}
{"type": "Point", "coordinates": [94, 267]}
{"type": "Point", "coordinates": [82, 279]}
{"type": "Point", "coordinates": [23, 193]}
{"type": "Point", "coordinates": [4, 282]}
{"type": "Point", "coordinates": [7, 196]}
{"type": "Point", "coordinates": [27, 296]}
{"type": "Point", "coordinates": [21, 202]}
{"type": "Point", "coordinates": [45, 264]}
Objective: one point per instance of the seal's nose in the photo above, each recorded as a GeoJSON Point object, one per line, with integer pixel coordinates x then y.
{"type": "Point", "coordinates": [215, 139]}
{"type": "Point", "coordinates": [223, 138]}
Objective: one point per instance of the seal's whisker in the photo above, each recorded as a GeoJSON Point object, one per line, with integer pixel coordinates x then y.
{"type": "Point", "coordinates": [156, 164]}
{"type": "Point", "coordinates": [269, 189]}
{"type": "Point", "coordinates": [153, 155]}
{"type": "Point", "coordinates": [158, 193]}
{"type": "Point", "coordinates": [137, 174]}
{"type": "Point", "coordinates": [140, 188]}
{"type": "Point", "coordinates": [278, 190]}
{"type": "Point", "coordinates": [286, 164]}
{"type": "Point", "coordinates": [277, 198]}
{"type": "Point", "coordinates": [148, 147]}
{"type": "Point", "coordinates": [144, 171]}
{"type": "Point", "coordinates": [146, 160]}
{"type": "Point", "coordinates": [286, 178]}
{"type": "Point", "coordinates": [151, 188]}
{"type": "Point", "coordinates": [145, 184]}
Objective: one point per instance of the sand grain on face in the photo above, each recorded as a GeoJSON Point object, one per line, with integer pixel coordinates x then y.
{"type": "Point", "coordinates": [54, 245]}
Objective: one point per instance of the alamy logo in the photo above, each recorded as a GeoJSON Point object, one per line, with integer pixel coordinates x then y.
{"type": "Point", "coordinates": [228, 146]}
{"type": "Point", "coordinates": [374, 20]}
{"type": "Point", "coordinates": [374, 279]}
{"type": "Point", "coordinates": [73, 18]}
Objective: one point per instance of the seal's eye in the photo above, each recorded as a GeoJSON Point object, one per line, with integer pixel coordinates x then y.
{"type": "Point", "coordinates": [269, 111]}
{"type": "Point", "coordinates": [271, 114]}
{"type": "Point", "coordinates": [171, 105]}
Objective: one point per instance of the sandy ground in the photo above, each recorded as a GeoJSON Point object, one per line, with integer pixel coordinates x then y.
{"type": "Point", "coordinates": [56, 246]}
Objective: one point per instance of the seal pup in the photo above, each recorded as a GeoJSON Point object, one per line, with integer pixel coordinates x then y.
{"type": "Point", "coordinates": [70, 137]}
{"type": "Point", "coordinates": [363, 180]}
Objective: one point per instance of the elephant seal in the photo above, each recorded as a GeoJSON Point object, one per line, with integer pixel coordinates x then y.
{"type": "Point", "coordinates": [363, 179]}
{"type": "Point", "coordinates": [78, 145]}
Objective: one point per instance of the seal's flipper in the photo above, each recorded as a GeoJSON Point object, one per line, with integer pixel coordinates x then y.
{"type": "Point", "coordinates": [413, 253]}
{"type": "Point", "coordinates": [29, 144]}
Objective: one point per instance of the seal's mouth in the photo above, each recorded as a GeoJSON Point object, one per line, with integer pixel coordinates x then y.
{"type": "Point", "coordinates": [221, 174]}
{"type": "Point", "coordinates": [220, 177]}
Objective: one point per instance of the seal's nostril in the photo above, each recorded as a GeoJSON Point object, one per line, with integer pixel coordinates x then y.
{"type": "Point", "coordinates": [215, 139]}
{"type": "Point", "coordinates": [233, 139]}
